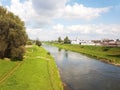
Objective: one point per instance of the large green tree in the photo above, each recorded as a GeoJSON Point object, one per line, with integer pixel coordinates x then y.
{"type": "Point", "coordinates": [12, 35]}
{"type": "Point", "coordinates": [67, 40]}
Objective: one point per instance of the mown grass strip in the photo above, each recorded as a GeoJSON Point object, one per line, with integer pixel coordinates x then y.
{"type": "Point", "coordinates": [38, 72]}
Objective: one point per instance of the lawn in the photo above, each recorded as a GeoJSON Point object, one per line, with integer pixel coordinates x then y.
{"type": "Point", "coordinates": [5, 66]}
{"type": "Point", "coordinates": [38, 71]}
{"type": "Point", "coordinates": [106, 54]}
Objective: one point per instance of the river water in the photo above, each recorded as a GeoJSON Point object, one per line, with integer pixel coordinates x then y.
{"type": "Point", "coordinates": [80, 72]}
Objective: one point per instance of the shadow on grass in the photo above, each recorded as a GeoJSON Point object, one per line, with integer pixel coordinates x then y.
{"type": "Point", "coordinates": [16, 60]}
{"type": "Point", "coordinates": [116, 55]}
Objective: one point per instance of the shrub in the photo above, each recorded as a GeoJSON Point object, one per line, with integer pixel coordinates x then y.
{"type": "Point", "coordinates": [105, 48]}
{"type": "Point", "coordinates": [29, 43]}
{"type": "Point", "coordinates": [38, 43]}
{"type": "Point", "coordinates": [48, 53]}
{"type": "Point", "coordinates": [17, 53]}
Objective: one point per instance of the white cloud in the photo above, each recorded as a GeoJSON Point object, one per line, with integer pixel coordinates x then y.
{"type": "Point", "coordinates": [24, 10]}
{"type": "Point", "coordinates": [1, 2]}
{"type": "Point", "coordinates": [41, 34]}
{"type": "Point", "coordinates": [92, 30]}
{"type": "Point", "coordinates": [89, 31]}
{"type": "Point", "coordinates": [49, 8]}
{"type": "Point", "coordinates": [37, 13]}
{"type": "Point", "coordinates": [79, 11]}
{"type": "Point", "coordinates": [59, 28]}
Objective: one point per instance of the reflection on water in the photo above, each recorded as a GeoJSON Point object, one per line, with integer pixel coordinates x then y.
{"type": "Point", "coordinates": [59, 49]}
{"type": "Point", "coordinates": [66, 54]}
{"type": "Point", "coordinates": [83, 73]}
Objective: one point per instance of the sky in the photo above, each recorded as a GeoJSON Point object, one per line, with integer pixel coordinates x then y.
{"type": "Point", "coordinates": [83, 19]}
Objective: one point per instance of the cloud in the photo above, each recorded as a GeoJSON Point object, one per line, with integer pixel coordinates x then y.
{"type": "Point", "coordinates": [92, 30]}
{"type": "Point", "coordinates": [25, 11]}
{"type": "Point", "coordinates": [49, 7]}
{"type": "Point", "coordinates": [38, 13]}
{"type": "Point", "coordinates": [59, 9]}
{"type": "Point", "coordinates": [41, 34]}
{"type": "Point", "coordinates": [79, 11]}
{"type": "Point", "coordinates": [85, 31]}
{"type": "Point", "coordinates": [0, 2]}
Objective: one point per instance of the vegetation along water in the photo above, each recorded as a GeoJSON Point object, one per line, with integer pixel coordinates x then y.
{"type": "Point", "coordinates": [107, 54]}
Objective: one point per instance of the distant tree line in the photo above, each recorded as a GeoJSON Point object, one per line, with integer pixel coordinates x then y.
{"type": "Point", "coordinates": [34, 42]}
{"type": "Point", "coordinates": [13, 37]}
{"type": "Point", "coordinates": [65, 41]}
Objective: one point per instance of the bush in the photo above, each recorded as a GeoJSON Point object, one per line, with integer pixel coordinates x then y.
{"type": "Point", "coordinates": [38, 43]}
{"type": "Point", "coordinates": [48, 53]}
{"type": "Point", "coordinates": [105, 48]}
{"type": "Point", "coordinates": [82, 46]}
{"type": "Point", "coordinates": [29, 43]}
{"type": "Point", "coordinates": [17, 53]}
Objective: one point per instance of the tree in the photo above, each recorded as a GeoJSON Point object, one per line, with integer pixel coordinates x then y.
{"type": "Point", "coordinates": [12, 35]}
{"type": "Point", "coordinates": [117, 40]}
{"type": "Point", "coordinates": [29, 42]}
{"type": "Point", "coordinates": [59, 39]}
{"type": "Point", "coordinates": [66, 40]}
{"type": "Point", "coordinates": [38, 43]}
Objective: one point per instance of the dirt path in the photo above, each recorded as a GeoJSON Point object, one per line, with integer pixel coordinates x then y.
{"type": "Point", "coordinates": [43, 58]}
{"type": "Point", "coordinates": [7, 74]}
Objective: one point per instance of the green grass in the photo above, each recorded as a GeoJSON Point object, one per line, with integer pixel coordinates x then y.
{"type": "Point", "coordinates": [6, 66]}
{"type": "Point", "coordinates": [106, 54]}
{"type": "Point", "coordinates": [38, 72]}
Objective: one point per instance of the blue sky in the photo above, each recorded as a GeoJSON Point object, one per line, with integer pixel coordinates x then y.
{"type": "Point", "coordinates": [86, 19]}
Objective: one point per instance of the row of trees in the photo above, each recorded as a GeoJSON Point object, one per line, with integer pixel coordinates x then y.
{"type": "Point", "coordinates": [12, 35]}
{"type": "Point", "coordinates": [36, 42]}
{"type": "Point", "coordinates": [65, 41]}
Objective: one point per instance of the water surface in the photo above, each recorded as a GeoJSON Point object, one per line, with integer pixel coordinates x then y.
{"type": "Point", "coordinates": [80, 72]}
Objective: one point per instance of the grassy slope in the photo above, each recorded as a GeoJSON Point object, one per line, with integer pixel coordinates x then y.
{"type": "Point", "coordinates": [36, 73]}
{"type": "Point", "coordinates": [112, 55]}
{"type": "Point", "coordinates": [6, 66]}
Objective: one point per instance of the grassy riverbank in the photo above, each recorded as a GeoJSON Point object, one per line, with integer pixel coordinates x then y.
{"type": "Point", "coordinates": [106, 54]}
{"type": "Point", "coordinates": [37, 71]}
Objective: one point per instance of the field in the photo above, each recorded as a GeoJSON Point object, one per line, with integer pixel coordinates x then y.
{"type": "Point", "coordinates": [37, 71]}
{"type": "Point", "coordinates": [106, 54]}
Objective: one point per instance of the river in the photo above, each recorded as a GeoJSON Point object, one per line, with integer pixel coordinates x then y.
{"type": "Point", "coordinates": [80, 72]}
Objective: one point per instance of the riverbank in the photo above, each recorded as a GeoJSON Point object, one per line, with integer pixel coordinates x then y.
{"type": "Point", "coordinates": [37, 71]}
{"type": "Point", "coordinates": [106, 54]}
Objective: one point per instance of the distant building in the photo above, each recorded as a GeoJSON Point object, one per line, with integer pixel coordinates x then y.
{"type": "Point", "coordinates": [87, 42]}
{"type": "Point", "coordinates": [110, 43]}
{"type": "Point", "coordinates": [104, 42]}
{"type": "Point", "coordinates": [77, 41]}
{"type": "Point", "coordinates": [83, 42]}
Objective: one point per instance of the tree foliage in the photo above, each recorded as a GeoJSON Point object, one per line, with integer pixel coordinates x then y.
{"type": "Point", "coordinates": [67, 40]}
{"type": "Point", "coordinates": [59, 39]}
{"type": "Point", "coordinates": [29, 42]}
{"type": "Point", "coordinates": [12, 35]}
{"type": "Point", "coordinates": [38, 42]}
